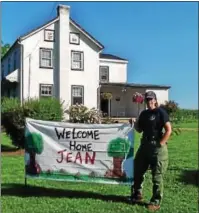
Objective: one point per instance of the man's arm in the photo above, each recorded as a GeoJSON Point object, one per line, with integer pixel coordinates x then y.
{"type": "Point", "coordinates": [167, 133]}
{"type": "Point", "coordinates": [138, 123]}
{"type": "Point", "coordinates": [167, 127]}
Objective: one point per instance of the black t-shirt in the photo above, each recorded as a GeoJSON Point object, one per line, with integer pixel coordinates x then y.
{"type": "Point", "coordinates": [151, 122]}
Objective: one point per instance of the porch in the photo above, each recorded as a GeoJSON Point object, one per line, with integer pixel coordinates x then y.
{"type": "Point", "coordinates": [10, 85]}
{"type": "Point", "coordinates": [121, 104]}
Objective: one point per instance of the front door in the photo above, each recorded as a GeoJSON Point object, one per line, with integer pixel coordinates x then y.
{"type": "Point", "coordinates": [105, 106]}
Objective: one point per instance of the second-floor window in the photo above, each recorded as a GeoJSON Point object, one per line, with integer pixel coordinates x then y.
{"type": "Point", "coordinates": [15, 60]}
{"type": "Point", "coordinates": [46, 58]}
{"type": "Point", "coordinates": [77, 95]}
{"type": "Point", "coordinates": [77, 60]}
{"type": "Point", "coordinates": [104, 74]}
{"type": "Point", "coordinates": [46, 90]}
{"type": "Point", "coordinates": [9, 65]}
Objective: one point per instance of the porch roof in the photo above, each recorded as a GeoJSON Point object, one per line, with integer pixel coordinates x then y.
{"type": "Point", "coordinates": [133, 85]}
{"type": "Point", "coordinates": [13, 76]}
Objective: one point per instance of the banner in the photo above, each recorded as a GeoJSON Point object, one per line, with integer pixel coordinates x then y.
{"type": "Point", "coordinates": [101, 153]}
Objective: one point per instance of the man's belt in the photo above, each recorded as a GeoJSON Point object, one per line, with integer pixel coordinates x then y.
{"type": "Point", "coordinates": [151, 137]}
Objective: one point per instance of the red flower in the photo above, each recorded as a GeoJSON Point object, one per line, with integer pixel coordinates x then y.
{"type": "Point", "coordinates": [138, 98]}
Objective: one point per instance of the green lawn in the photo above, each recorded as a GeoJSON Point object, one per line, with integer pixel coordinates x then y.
{"type": "Point", "coordinates": [180, 196]}
{"type": "Point", "coordinates": [193, 124]}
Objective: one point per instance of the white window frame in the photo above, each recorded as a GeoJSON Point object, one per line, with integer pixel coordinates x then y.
{"type": "Point", "coordinates": [40, 56]}
{"type": "Point", "coordinates": [45, 95]}
{"type": "Point", "coordinates": [72, 97]}
{"type": "Point", "coordinates": [81, 68]}
{"type": "Point", "coordinates": [101, 74]}
{"type": "Point", "coordinates": [46, 38]}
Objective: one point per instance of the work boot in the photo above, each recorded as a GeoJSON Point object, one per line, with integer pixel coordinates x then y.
{"type": "Point", "coordinates": [153, 207]}
{"type": "Point", "coordinates": [137, 197]}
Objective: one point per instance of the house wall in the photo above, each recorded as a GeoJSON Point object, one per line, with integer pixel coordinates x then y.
{"type": "Point", "coordinates": [61, 76]}
{"type": "Point", "coordinates": [125, 107]}
{"type": "Point", "coordinates": [89, 77]}
{"type": "Point", "coordinates": [33, 74]}
{"type": "Point", "coordinates": [10, 55]}
{"type": "Point", "coordinates": [4, 64]}
{"type": "Point", "coordinates": [162, 95]}
{"type": "Point", "coordinates": [117, 70]}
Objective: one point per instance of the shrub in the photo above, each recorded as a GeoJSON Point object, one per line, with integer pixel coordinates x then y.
{"type": "Point", "coordinates": [171, 107]}
{"type": "Point", "coordinates": [177, 115]}
{"type": "Point", "coordinates": [187, 115]}
{"type": "Point", "coordinates": [82, 114]}
{"type": "Point", "coordinates": [13, 115]}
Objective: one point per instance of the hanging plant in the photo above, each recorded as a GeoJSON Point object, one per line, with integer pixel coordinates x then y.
{"type": "Point", "coordinates": [106, 95]}
{"type": "Point", "coordinates": [117, 99]}
{"type": "Point", "coordinates": [138, 98]}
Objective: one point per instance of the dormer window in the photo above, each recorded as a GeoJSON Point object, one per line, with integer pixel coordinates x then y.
{"type": "Point", "coordinates": [104, 74]}
{"type": "Point", "coordinates": [49, 35]}
{"type": "Point", "coordinates": [74, 38]}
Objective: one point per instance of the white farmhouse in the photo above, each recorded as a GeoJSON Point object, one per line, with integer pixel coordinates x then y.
{"type": "Point", "coordinates": [61, 59]}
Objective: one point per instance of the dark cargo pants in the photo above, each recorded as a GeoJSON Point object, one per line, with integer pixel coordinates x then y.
{"type": "Point", "coordinates": [151, 153]}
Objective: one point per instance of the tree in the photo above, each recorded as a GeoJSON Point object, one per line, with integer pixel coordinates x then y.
{"type": "Point", "coordinates": [33, 145]}
{"type": "Point", "coordinates": [4, 48]}
{"type": "Point", "coordinates": [172, 108]}
{"type": "Point", "coordinates": [118, 148]}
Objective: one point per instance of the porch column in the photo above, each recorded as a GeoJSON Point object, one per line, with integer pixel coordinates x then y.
{"type": "Point", "coordinates": [109, 107]}
{"type": "Point", "coordinates": [98, 97]}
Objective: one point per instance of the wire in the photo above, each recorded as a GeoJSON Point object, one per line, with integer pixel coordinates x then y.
{"type": "Point", "coordinates": [53, 7]}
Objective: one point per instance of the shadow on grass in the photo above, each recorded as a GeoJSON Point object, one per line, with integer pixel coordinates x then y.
{"type": "Point", "coordinates": [36, 191]}
{"type": "Point", "coordinates": [190, 177]}
{"type": "Point", "coordinates": [5, 148]}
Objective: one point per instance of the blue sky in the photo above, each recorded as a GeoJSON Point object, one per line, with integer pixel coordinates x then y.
{"type": "Point", "coordinates": [160, 39]}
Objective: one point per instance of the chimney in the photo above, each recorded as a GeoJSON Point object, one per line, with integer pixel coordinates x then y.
{"type": "Point", "coordinates": [63, 9]}
{"type": "Point", "coordinates": [61, 75]}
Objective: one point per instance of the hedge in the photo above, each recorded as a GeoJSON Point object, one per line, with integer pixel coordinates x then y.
{"type": "Point", "coordinates": [13, 115]}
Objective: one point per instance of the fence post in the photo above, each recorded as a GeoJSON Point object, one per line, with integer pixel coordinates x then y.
{"type": "Point", "coordinates": [131, 189]}
{"type": "Point", "coordinates": [25, 182]}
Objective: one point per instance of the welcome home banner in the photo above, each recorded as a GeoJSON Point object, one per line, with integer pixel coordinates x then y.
{"type": "Point", "coordinates": [101, 153]}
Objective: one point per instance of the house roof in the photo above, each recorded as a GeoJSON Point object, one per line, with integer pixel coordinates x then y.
{"type": "Point", "coordinates": [133, 85]}
{"type": "Point", "coordinates": [109, 56]}
{"type": "Point", "coordinates": [37, 28]}
{"type": "Point", "coordinates": [77, 25]}
{"type": "Point", "coordinates": [24, 36]}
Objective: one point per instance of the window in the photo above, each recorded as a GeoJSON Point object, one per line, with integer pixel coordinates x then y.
{"type": "Point", "coordinates": [77, 60]}
{"type": "Point", "coordinates": [9, 65]}
{"type": "Point", "coordinates": [104, 74]}
{"type": "Point", "coordinates": [46, 58]}
{"type": "Point", "coordinates": [49, 35]}
{"type": "Point", "coordinates": [46, 90]}
{"type": "Point", "coordinates": [74, 38]}
{"type": "Point", "coordinates": [15, 60]}
{"type": "Point", "coordinates": [77, 95]}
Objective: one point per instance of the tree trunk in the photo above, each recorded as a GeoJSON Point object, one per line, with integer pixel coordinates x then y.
{"type": "Point", "coordinates": [117, 166]}
{"type": "Point", "coordinates": [33, 167]}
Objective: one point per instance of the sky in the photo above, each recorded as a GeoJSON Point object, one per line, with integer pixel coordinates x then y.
{"type": "Point", "coordinates": [160, 39]}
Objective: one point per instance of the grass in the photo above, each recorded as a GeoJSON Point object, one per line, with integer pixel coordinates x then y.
{"type": "Point", "coordinates": [180, 193]}
{"type": "Point", "coordinates": [191, 124]}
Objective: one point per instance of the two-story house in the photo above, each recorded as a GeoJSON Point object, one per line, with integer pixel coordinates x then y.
{"type": "Point", "coordinates": [63, 60]}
